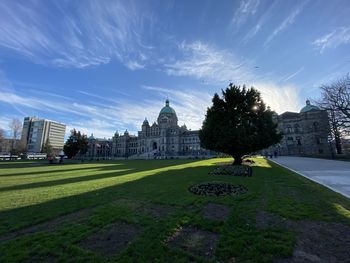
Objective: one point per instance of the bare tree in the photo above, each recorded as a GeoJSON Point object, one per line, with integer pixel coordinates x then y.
{"type": "Point", "coordinates": [335, 99]}
{"type": "Point", "coordinates": [15, 127]}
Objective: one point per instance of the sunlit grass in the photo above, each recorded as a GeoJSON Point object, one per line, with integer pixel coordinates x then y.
{"type": "Point", "coordinates": [35, 192]}
{"type": "Point", "coordinates": [342, 210]}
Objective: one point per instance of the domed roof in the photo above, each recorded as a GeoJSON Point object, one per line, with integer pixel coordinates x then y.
{"type": "Point", "coordinates": [309, 107]}
{"type": "Point", "coordinates": [167, 109]}
{"type": "Point", "coordinates": [92, 137]}
{"type": "Point", "coordinates": [145, 122]}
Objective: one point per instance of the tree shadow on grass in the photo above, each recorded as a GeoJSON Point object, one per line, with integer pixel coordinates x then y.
{"type": "Point", "coordinates": [54, 171]}
{"type": "Point", "coordinates": [118, 170]}
{"type": "Point", "coordinates": [166, 187]}
{"type": "Point", "coordinates": [14, 218]}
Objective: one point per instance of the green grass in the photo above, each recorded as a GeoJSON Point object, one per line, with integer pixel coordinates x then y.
{"type": "Point", "coordinates": [35, 192]}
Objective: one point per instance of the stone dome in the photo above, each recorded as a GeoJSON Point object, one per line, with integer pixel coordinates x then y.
{"type": "Point", "coordinates": [167, 116]}
{"type": "Point", "coordinates": [309, 107]}
{"type": "Point", "coordinates": [167, 109]}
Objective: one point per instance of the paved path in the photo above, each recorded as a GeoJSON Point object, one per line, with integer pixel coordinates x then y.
{"type": "Point", "coordinates": [332, 174]}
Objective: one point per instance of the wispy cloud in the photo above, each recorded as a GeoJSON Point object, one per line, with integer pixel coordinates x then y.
{"type": "Point", "coordinates": [290, 76]}
{"type": "Point", "coordinates": [208, 64]}
{"type": "Point", "coordinates": [70, 34]}
{"type": "Point", "coordinates": [103, 119]}
{"type": "Point", "coordinates": [261, 22]}
{"type": "Point", "coordinates": [216, 66]}
{"type": "Point", "coordinates": [246, 9]}
{"type": "Point", "coordinates": [280, 98]}
{"type": "Point", "coordinates": [337, 37]}
{"type": "Point", "coordinates": [286, 22]}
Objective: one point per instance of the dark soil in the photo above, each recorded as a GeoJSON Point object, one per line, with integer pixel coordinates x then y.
{"type": "Point", "coordinates": [110, 241]}
{"type": "Point", "coordinates": [49, 225]}
{"type": "Point", "coordinates": [216, 212]}
{"type": "Point", "coordinates": [233, 170]}
{"type": "Point", "coordinates": [217, 189]}
{"type": "Point", "coordinates": [317, 241]}
{"type": "Point", "coordinates": [196, 241]}
{"type": "Point", "coordinates": [155, 211]}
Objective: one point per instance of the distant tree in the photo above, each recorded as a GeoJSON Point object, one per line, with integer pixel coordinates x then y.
{"type": "Point", "coordinates": [238, 124]}
{"type": "Point", "coordinates": [335, 99]}
{"type": "Point", "coordinates": [15, 126]}
{"type": "Point", "coordinates": [2, 134]}
{"type": "Point", "coordinates": [2, 137]}
{"type": "Point", "coordinates": [77, 143]}
{"type": "Point", "coordinates": [48, 148]}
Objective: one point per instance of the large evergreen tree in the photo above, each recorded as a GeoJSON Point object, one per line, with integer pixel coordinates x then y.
{"type": "Point", "coordinates": [238, 124]}
{"type": "Point", "coordinates": [76, 143]}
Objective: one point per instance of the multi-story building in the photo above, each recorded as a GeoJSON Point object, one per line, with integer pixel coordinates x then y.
{"type": "Point", "coordinates": [37, 132]}
{"type": "Point", "coordinates": [163, 139]}
{"type": "Point", "coordinates": [304, 133]}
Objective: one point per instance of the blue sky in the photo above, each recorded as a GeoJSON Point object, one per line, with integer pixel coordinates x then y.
{"type": "Point", "coordinates": [102, 66]}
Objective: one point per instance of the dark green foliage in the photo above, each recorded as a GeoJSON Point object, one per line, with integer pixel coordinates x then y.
{"type": "Point", "coordinates": [238, 124]}
{"type": "Point", "coordinates": [76, 143]}
{"type": "Point", "coordinates": [48, 148]}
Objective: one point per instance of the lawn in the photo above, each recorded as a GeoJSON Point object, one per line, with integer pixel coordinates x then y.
{"type": "Point", "coordinates": [142, 211]}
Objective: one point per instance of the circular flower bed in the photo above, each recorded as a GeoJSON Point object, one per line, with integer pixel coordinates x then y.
{"type": "Point", "coordinates": [217, 189]}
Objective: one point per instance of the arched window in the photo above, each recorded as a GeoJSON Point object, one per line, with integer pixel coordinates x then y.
{"type": "Point", "coordinates": [316, 126]}
{"type": "Point", "coordinates": [289, 129]}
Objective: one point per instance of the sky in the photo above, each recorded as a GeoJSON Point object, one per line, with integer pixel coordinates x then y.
{"type": "Point", "coordinates": [104, 66]}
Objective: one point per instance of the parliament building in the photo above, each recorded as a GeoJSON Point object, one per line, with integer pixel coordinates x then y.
{"type": "Point", "coordinates": [163, 139]}
{"type": "Point", "coordinates": [305, 133]}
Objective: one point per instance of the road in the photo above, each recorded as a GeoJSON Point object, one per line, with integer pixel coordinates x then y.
{"type": "Point", "coordinates": [330, 173]}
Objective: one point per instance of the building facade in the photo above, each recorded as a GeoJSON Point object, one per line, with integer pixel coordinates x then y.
{"type": "Point", "coordinates": [304, 133]}
{"type": "Point", "coordinates": [37, 132]}
{"type": "Point", "coordinates": [163, 139]}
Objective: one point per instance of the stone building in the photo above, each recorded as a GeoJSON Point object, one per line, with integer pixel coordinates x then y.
{"type": "Point", "coordinates": [99, 148]}
{"type": "Point", "coordinates": [163, 139]}
{"type": "Point", "coordinates": [304, 133]}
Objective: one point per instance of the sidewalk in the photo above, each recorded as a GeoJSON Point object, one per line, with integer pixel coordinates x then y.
{"type": "Point", "coordinates": [330, 173]}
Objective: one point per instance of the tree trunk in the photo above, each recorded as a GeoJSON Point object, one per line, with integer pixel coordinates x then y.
{"type": "Point", "coordinates": [338, 146]}
{"type": "Point", "coordinates": [238, 159]}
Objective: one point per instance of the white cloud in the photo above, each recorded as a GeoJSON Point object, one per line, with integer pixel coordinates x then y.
{"type": "Point", "coordinates": [286, 22]}
{"type": "Point", "coordinates": [261, 22]}
{"type": "Point", "coordinates": [103, 119]}
{"type": "Point", "coordinates": [246, 9]}
{"type": "Point", "coordinates": [208, 64]}
{"type": "Point", "coordinates": [216, 66]}
{"type": "Point", "coordinates": [337, 37]}
{"type": "Point", "coordinates": [290, 76]}
{"type": "Point", "coordinates": [70, 34]}
{"type": "Point", "coordinates": [280, 98]}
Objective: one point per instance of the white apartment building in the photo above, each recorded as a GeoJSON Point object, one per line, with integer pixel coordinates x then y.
{"type": "Point", "coordinates": [36, 132]}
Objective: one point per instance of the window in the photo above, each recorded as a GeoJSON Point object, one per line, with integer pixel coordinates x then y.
{"type": "Point", "coordinates": [297, 128]}
{"type": "Point", "coordinates": [290, 141]}
{"type": "Point", "coordinates": [289, 129]}
{"type": "Point", "coordinates": [316, 126]}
